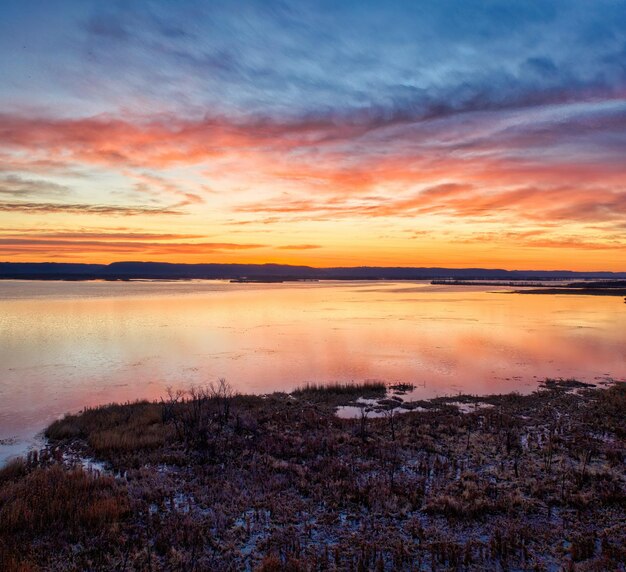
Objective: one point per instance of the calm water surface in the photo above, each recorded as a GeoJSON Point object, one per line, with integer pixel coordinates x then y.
{"type": "Point", "coordinates": [66, 345]}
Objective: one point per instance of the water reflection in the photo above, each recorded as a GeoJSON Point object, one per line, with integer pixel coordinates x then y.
{"type": "Point", "coordinates": [67, 345]}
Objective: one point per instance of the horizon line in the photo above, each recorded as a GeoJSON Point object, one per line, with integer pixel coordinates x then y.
{"type": "Point", "coordinates": [491, 269]}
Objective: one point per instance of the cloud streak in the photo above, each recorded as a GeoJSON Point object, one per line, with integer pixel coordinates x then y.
{"type": "Point", "coordinates": [44, 247]}
{"type": "Point", "coordinates": [451, 118]}
{"type": "Point", "coordinates": [299, 246]}
{"type": "Point", "coordinates": [15, 186]}
{"type": "Point", "coordinates": [460, 201]}
{"type": "Point", "coordinates": [82, 209]}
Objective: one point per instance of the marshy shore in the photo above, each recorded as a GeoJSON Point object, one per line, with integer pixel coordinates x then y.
{"type": "Point", "coordinates": [575, 291]}
{"type": "Point", "coordinates": [211, 480]}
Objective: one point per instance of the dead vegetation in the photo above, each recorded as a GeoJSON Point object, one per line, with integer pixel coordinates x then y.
{"type": "Point", "coordinates": [45, 508]}
{"type": "Point", "coordinates": [210, 480]}
{"type": "Point", "coordinates": [337, 393]}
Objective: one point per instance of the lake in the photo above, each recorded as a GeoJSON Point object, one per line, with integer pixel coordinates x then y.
{"type": "Point", "coordinates": [66, 345]}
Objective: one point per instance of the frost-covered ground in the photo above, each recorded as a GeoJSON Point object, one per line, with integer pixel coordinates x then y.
{"type": "Point", "coordinates": [282, 482]}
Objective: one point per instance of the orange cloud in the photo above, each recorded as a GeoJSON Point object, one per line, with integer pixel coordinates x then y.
{"type": "Point", "coordinates": [161, 142]}
{"type": "Point", "coordinates": [299, 246]}
{"type": "Point", "coordinates": [464, 201]}
{"type": "Point", "coordinates": [40, 247]}
{"type": "Point", "coordinates": [81, 209]}
{"type": "Point", "coordinates": [473, 171]}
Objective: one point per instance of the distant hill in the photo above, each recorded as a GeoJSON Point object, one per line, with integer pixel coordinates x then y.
{"type": "Point", "coordinates": [163, 270]}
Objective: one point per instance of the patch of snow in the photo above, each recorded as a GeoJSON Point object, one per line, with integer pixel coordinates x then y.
{"type": "Point", "coordinates": [374, 410]}
{"type": "Point", "coordinates": [93, 465]}
{"type": "Point", "coordinates": [371, 402]}
{"type": "Point", "coordinates": [470, 407]}
{"type": "Point", "coordinates": [419, 409]}
{"type": "Point", "coordinates": [349, 412]}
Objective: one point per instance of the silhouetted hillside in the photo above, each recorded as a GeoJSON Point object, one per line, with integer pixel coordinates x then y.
{"type": "Point", "coordinates": [169, 271]}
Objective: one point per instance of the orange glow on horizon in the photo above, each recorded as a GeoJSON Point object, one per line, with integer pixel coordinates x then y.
{"type": "Point", "coordinates": [214, 191]}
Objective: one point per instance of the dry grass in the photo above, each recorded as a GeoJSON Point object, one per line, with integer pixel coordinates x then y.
{"type": "Point", "coordinates": [280, 483]}
{"type": "Point", "coordinates": [13, 470]}
{"type": "Point", "coordinates": [115, 429]}
{"type": "Point", "coordinates": [48, 508]}
{"type": "Point", "coordinates": [341, 392]}
{"type": "Point", "coordinates": [54, 498]}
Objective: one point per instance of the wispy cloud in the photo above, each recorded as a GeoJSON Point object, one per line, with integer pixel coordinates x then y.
{"type": "Point", "coordinates": [43, 247]}
{"type": "Point", "coordinates": [465, 201]}
{"type": "Point", "coordinates": [18, 187]}
{"type": "Point", "coordinates": [299, 246]}
{"type": "Point", "coordinates": [93, 235]}
{"type": "Point", "coordinates": [538, 238]}
{"type": "Point", "coordinates": [455, 117]}
{"type": "Point", "coordinates": [106, 210]}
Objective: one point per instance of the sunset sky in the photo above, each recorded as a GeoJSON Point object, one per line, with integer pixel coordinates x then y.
{"type": "Point", "coordinates": [449, 133]}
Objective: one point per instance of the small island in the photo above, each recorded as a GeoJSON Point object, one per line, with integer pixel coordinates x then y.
{"type": "Point", "coordinates": [588, 288]}
{"type": "Point", "coordinates": [335, 477]}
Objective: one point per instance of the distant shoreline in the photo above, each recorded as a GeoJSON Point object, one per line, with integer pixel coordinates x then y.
{"type": "Point", "coordinates": [592, 288]}
{"type": "Point", "coordinates": [587, 288]}
{"type": "Point", "coordinates": [576, 291]}
{"type": "Point", "coordinates": [121, 271]}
